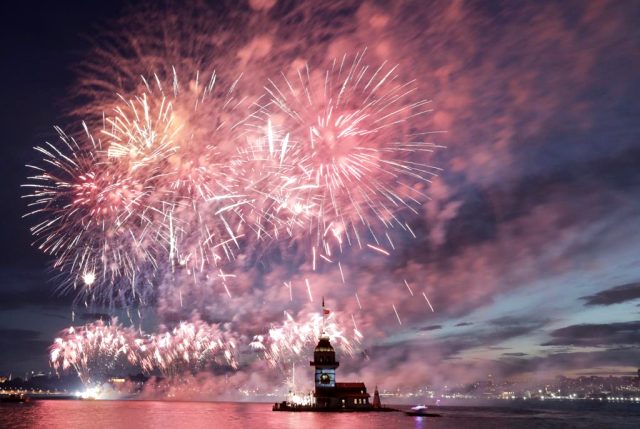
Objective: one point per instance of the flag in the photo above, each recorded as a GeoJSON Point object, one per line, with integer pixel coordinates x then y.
{"type": "Point", "coordinates": [325, 311]}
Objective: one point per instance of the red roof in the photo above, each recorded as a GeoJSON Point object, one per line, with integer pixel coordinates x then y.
{"type": "Point", "coordinates": [350, 385]}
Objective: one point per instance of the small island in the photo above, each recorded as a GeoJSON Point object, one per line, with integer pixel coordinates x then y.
{"type": "Point", "coordinates": [329, 395]}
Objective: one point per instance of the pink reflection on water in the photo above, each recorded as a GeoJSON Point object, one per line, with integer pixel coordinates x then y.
{"type": "Point", "coordinates": [182, 415]}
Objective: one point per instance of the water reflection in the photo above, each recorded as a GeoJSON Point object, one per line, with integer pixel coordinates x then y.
{"type": "Point", "coordinates": [196, 415]}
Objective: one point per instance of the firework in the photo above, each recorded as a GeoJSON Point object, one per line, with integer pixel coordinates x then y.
{"type": "Point", "coordinates": [352, 164]}
{"type": "Point", "coordinates": [295, 339]}
{"type": "Point", "coordinates": [189, 347]}
{"type": "Point", "coordinates": [96, 349]}
{"type": "Point", "coordinates": [94, 218]}
{"type": "Point", "coordinates": [183, 178]}
{"type": "Point", "coordinates": [188, 132]}
{"type": "Point", "coordinates": [153, 190]}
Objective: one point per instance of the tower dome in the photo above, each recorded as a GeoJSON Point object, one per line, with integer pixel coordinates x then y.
{"type": "Point", "coordinates": [324, 353]}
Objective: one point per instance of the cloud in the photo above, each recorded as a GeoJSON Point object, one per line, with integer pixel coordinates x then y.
{"type": "Point", "coordinates": [542, 366]}
{"type": "Point", "coordinates": [26, 344]}
{"type": "Point", "coordinates": [95, 316]}
{"type": "Point", "coordinates": [9, 335]}
{"type": "Point", "coordinates": [431, 328]}
{"type": "Point", "coordinates": [463, 324]}
{"type": "Point", "coordinates": [515, 354]}
{"type": "Point", "coordinates": [597, 335]}
{"type": "Point", "coordinates": [23, 288]}
{"type": "Point", "coordinates": [615, 295]}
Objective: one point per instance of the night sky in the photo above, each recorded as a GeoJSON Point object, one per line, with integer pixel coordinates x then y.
{"type": "Point", "coordinates": [529, 249]}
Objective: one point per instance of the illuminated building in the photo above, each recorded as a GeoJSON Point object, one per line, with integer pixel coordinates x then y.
{"type": "Point", "coordinates": [329, 394]}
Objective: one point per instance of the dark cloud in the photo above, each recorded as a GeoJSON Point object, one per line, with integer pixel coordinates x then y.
{"type": "Point", "coordinates": [25, 343]}
{"type": "Point", "coordinates": [95, 316]}
{"type": "Point", "coordinates": [464, 324]}
{"type": "Point", "coordinates": [615, 295]}
{"type": "Point", "coordinates": [475, 222]}
{"type": "Point", "coordinates": [9, 335]}
{"type": "Point", "coordinates": [569, 361]}
{"type": "Point", "coordinates": [515, 354]}
{"type": "Point", "coordinates": [431, 328]}
{"type": "Point", "coordinates": [489, 337]}
{"type": "Point", "coordinates": [597, 335]}
{"type": "Point", "coordinates": [29, 288]}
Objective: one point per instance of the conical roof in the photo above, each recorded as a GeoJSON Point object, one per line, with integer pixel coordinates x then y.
{"type": "Point", "coordinates": [324, 345]}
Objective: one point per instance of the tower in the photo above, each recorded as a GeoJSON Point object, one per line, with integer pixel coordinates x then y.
{"type": "Point", "coordinates": [324, 361]}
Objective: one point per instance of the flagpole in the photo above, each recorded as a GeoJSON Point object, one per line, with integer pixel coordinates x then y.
{"type": "Point", "coordinates": [322, 333]}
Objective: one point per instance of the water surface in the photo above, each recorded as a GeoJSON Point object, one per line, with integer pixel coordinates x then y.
{"type": "Point", "coordinates": [196, 415]}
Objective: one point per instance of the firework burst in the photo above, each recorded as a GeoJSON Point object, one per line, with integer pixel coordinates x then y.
{"type": "Point", "coordinates": [94, 218]}
{"type": "Point", "coordinates": [154, 190]}
{"type": "Point", "coordinates": [189, 133]}
{"type": "Point", "coordinates": [354, 161]}
{"type": "Point", "coordinates": [294, 340]}
{"type": "Point", "coordinates": [96, 349]}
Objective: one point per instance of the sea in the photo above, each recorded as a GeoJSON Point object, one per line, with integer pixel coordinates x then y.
{"type": "Point", "coordinates": [71, 414]}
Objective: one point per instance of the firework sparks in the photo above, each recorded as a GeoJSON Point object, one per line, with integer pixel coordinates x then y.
{"type": "Point", "coordinates": [428, 302]}
{"type": "Point", "coordinates": [184, 179]}
{"type": "Point", "coordinates": [397, 315]}
{"type": "Point", "coordinates": [406, 283]}
{"type": "Point", "coordinates": [354, 165]}
{"type": "Point", "coordinates": [95, 349]}
{"type": "Point", "coordinates": [156, 187]}
{"type": "Point", "coordinates": [295, 339]}
{"type": "Point", "coordinates": [95, 219]}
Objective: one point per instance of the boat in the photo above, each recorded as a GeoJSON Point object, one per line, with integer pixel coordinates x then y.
{"type": "Point", "coordinates": [15, 398]}
{"type": "Point", "coordinates": [421, 411]}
